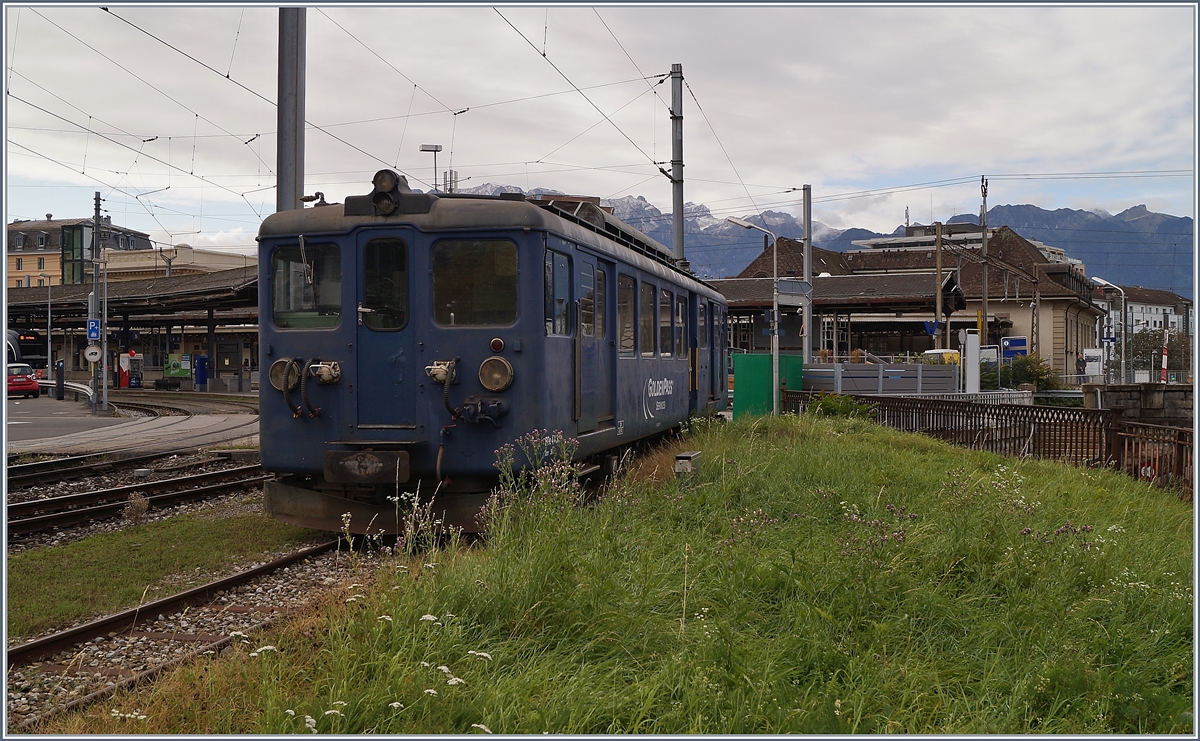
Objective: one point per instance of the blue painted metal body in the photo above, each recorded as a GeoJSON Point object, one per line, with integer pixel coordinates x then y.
{"type": "Point", "coordinates": [575, 381]}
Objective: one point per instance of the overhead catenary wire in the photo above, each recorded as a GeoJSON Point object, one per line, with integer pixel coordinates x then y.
{"type": "Point", "coordinates": [577, 88]}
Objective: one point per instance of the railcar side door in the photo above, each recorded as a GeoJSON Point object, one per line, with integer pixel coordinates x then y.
{"type": "Point", "coordinates": [386, 359]}
{"type": "Point", "coordinates": [702, 354]}
{"type": "Point", "coordinates": [586, 346]}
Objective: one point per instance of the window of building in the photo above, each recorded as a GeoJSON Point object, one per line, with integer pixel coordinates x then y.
{"type": "Point", "coordinates": [41, 240]}
{"type": "Point", "coordinates": [475, 282]}
{"type": "Point", "coordinates": [20, 264]}
{"type": "Point", "coordinates": [41, 282]}
{"type": "Point", "coordinates": [646, 312]}
{"type": "Point", "coordinates": [625, 312]}
{"type": "Point", "coordinates": [41, 263]}
{"type": "Point", "coordinates": [558, 293]}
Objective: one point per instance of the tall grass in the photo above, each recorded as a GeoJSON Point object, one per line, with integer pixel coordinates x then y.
{"type": "Point", "coordinates": [815, 576]}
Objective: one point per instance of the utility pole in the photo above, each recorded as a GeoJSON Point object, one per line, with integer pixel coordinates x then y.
{"type": "Point", "coordinates": [677, 160]}
{"type": "Point", "coordinates": [983, 252]}
{"type": "Point", "coordinates": [808, 301]}
{"type": "Point", "coordinates": [937, 291]}
{"type": "Point", "coordinates": [94, 304]}
{"type": "Point", "coordinates": [289, 151]}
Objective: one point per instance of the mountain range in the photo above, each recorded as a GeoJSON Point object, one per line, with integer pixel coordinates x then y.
{"type": "Point", "coordinates": [1135, 247]}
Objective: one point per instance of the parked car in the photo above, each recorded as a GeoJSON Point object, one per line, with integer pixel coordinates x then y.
{"type": "Point", "coordinates": [21, 381]}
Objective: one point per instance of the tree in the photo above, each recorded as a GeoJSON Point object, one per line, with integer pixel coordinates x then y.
{"type": "Point", "coordinates": [1022, 369]}
{"type": "Point", "coordinates": [1145, 351]}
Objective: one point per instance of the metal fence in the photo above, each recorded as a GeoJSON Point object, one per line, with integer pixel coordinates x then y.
{"type": "Point", "coordinates": [1081, 437]}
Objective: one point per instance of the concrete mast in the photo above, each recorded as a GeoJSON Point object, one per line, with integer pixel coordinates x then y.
{"type": "Point", "coordinates": [290, 146]}
{"type": "Point", "coordinates": [677, 160]}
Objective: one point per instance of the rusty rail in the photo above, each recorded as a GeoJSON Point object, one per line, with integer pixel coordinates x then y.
{"type": "Point", "coordinates": [1081, 437]}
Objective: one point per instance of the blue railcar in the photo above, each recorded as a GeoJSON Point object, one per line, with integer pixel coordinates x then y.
{"type": "Point", "coordinates": [410, 335]}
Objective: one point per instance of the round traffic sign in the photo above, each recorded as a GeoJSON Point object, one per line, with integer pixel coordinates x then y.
{"type": "Point", "coordinates": [92, 354]}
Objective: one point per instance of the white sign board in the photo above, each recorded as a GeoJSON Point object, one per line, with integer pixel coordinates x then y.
{"type": "Point", "coordinates": [92, 354]}
{"type": "Point", "coordinates": [1094, 357]}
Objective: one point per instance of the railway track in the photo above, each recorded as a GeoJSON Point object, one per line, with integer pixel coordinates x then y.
{"type": "Point", "coordinates": [73, 467]}
{"type": "Point", "coordinates": [41, 515]}
{"type": "Point", "coordinates": [141, 642]}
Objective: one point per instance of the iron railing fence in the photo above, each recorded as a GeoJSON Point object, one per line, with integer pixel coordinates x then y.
{"type": "Point", "coordinates": [1160, 455]}
{"type": "Point", "coordinates": [1081, 437]}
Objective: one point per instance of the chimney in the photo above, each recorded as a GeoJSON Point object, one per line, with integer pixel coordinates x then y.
{"type": "Point", "coordinates": [49, 217]}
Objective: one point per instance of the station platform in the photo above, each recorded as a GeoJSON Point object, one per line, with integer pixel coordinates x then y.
{"type": "Point", "coordinates": [48, 426]}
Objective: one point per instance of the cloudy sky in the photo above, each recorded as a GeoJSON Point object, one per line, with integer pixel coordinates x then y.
{"type": "Point", "coordinates": [167, 111]}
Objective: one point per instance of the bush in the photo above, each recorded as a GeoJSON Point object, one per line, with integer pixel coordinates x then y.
{"type": "Point", "coordinates": [839, 405]}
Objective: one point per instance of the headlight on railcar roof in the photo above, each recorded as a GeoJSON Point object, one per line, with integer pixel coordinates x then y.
{"type": "Point", "coordinates": [496, 374]}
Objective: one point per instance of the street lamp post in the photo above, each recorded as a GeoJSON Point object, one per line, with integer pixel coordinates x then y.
{"type": "Point", "coordinates": [48, 352]}
{"type": "Point", "coordinates": [774, 307]}
{"type": "Point", "coordinates": [1124, 316]}
{"type": "Point", "coordinates": [435, 148]}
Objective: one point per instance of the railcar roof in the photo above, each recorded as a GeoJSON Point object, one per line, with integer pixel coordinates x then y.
{"type": "Point", "coordinates": [587, 225]}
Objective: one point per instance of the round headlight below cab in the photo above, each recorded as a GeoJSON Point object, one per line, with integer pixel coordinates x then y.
{"type": "Point", "coordinates": [284, 367]}
{"type": "Point", "coordinates": [496, 374]}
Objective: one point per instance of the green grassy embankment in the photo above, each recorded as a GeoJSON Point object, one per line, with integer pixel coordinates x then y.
{"type": "Point", "coordinates": [816, 576]}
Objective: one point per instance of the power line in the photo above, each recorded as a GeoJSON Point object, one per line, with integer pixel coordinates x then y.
{"type": "Point", "coordinates": [139, 78]}
{"type": "Point", "coordinates": [576, 87]}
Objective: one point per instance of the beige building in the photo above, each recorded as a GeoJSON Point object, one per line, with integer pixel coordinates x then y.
{"type": "Point", "coordinates": [35, 248]}
{"type": "Point", "coordinates": [182, 259]}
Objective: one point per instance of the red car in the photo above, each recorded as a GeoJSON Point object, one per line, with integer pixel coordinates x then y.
{"type": "Point", "coordinates": [21, 381]}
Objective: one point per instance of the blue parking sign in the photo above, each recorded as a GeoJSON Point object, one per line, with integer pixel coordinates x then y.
{"type": "Point", "coordinates": [93, 329]}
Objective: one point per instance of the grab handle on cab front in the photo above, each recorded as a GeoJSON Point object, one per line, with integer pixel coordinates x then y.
{"type": "Point", "coordinates": [363, 310]}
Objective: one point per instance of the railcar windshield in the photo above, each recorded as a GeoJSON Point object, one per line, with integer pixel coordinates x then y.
{"type": "Point", "coordinates": [306, 286]}
{"type": "Point", "coordinates": [474, 282]}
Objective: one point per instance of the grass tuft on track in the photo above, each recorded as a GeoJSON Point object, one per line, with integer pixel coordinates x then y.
{"type": "Point", "coordinates": [815, 576]}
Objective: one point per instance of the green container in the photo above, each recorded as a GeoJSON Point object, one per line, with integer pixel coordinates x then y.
{"type": "Point", "coordinates": [752, 381]}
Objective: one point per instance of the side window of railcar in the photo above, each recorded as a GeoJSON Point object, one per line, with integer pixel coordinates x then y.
{"type": "Point", "coordinates": [558, 294]}
{"type": "Point", "coordinates": [385, 284]}
{"type": "Point", "coordinates": [306, 286]}
{"type": "Point", "coordinates": [647, 319]}
{"type": "Point", "coordinates": [625, 312]}
{"type": "Point", "coordinates": [664, 323]}
{"type": "Point", "coordinates": [703, 328]}
{"type": "Point", "coordinates": [681, 326]}
{"type": "Point", "coordinates": [587, 302]}
{"type": "Point", "coordinates": [474, 282]}
{"type": "Point", "coordinates": [601, 301]}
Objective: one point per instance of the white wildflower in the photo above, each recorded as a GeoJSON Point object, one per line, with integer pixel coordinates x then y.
{"type": "Point", "coordinates": [481, 655]}
{"type": "Point", "coordinates": [430, 565]}
{"type": "Point", "coordinates": [395, 705]}
{"type": "Point", "coordinates": [385, 617]}
{"type": "Point", "coordinates": [335, 711]}
{"type": "Point", "coordinates": [431, 692]}
{"type": "Point", "coordinates": [455, 680]}
{"type": "Point", "coordinates": [481, 727]}
{"type": "Point", "coordinates": [445, 670]}
{"type": "Point", "coordinates": [339, 702]}
{"type": "Point", "coordinates": [431, 618]}
{"type": "Point", "coordinates": [311, 723]}
{"type": "Point", "coordinates": [266, 648]}
{"type": "Point", "coordinates": [290, 712]}
{"type": "Point", "coordinates": [424, 663]}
